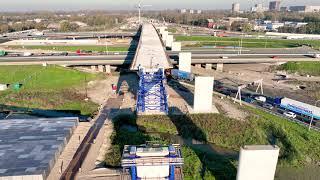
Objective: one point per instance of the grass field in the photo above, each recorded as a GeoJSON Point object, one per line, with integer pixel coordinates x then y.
{"type": "Point", "coordinates": [52, 87]}
{"type": "Point", "coordinates": [75, 48]}
{"type": "Point", "coordinates": [311, 68]}
{"type": "Point", "coordinates": [299, 147]}
{"type": "Point", "coordinates": [249, 43]}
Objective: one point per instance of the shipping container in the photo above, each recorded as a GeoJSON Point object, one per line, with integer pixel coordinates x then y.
{"type": "Point", "coordinates": [182, 75]}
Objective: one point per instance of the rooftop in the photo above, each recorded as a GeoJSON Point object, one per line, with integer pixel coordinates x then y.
{"type": "Point", "coordinates": [31, 146]}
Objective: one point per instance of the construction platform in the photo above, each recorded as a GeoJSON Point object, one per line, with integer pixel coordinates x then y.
{"type": "Point", "coordinates": [153, 161]}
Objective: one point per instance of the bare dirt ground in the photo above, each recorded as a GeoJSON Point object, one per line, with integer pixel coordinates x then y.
{"type": "Point", "coordinates": [101, 90]}
{"type": "Point", "coordinates": [237, 74]}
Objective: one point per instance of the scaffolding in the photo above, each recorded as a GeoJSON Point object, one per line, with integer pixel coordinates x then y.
{"type": "Point", "coordinates": [152, 95]}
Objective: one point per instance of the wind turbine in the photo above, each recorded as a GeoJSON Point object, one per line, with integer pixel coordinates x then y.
{"type": "Point", "coordinates": [140, 6]}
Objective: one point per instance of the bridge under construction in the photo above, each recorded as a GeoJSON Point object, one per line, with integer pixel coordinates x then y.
{"type": "Point", "coordinates": [150, 61]}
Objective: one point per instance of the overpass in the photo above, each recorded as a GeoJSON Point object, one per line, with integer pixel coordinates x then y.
{"type": "Point", "coordinates": [79, 35]}
{"type": "Point", "coordinates": [117, 60]}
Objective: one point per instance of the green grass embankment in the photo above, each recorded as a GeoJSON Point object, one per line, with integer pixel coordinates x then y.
{"type": "Point", "coordinates": [247, 42]}
{"type": "Point", "coordinates": [52, 88]}
{"type": "Point", "coordinates": [311, 68]}
{"type": "Point", "coordinates": [75, 48]}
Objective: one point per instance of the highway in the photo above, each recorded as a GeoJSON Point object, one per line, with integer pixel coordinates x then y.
{"type": "Point", "coordinates": [127, 59]}
{"type": "Point", "coordinates": [71, 35]}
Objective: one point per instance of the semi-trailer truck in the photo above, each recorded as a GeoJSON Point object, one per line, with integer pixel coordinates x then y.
{"type": "Point", "coordinates": [298, 107]}
{"type": "Point", "coordinates": [181, 75]}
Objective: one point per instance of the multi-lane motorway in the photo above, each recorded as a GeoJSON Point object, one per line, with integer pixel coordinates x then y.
{"type": "Point", "coordinates": [127, 59]}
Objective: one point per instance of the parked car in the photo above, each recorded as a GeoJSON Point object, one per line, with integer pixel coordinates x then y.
{"type": "Point", "coordinates": [267, 106]}
{"type": "Point", "coordinates": [290, 114]}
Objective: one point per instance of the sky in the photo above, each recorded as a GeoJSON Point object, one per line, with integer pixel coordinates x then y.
{"type": "Point", "coordinates": [51, 5]}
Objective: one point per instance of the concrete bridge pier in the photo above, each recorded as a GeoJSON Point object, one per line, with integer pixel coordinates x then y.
{"type": "Point", "coordinates": [219, 67]}
{"type": "Point", "coordinates": [108, 69]}
{"type": "Point", "coordinates": [94, 68]}
{"type": "Point", "coordinates": [208, 66]}
{"type": "Point", "coordinates": [101, 68]}
{"type": "Point", "coordinates": [197, 65]}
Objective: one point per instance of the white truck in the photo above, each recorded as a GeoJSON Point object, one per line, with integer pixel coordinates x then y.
{"type": "Point", "coordinates": [316, 55]}
{"type": "Point", "coordinates": [27, 54]}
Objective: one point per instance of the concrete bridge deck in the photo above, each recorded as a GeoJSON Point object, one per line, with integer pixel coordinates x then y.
{"type": "Point", "coordinates": [151, 53]}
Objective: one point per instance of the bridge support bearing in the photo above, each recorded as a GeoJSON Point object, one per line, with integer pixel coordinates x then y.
{"type": "Point", "coordinates": [220, 67]}
{"type": "Point", "coordinates": [208, 66]}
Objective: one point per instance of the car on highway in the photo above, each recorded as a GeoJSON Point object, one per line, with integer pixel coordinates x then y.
{"type": "Point", "coordinates": [267, 106]}
{"type": "Point", "coordinates": [261, 98]}
{"type": "Point", "coordinates": [224, 57]}
{"type": "Point", "coordinates": [290, 114]}
{"type": "Point", "coordinates": [275, 57]}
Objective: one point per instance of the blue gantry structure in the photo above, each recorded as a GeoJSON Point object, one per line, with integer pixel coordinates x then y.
{"type": "Point", "coordinates": [150, 61]}
{"type": "Point", "coordinates": [152, 95]}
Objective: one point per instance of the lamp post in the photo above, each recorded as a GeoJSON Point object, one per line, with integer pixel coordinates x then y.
{"type": "Point", "coordinates": [312, 115]}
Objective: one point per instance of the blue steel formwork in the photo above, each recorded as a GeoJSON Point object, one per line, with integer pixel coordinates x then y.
{"type": "Point", "coordinates": [152, 95]}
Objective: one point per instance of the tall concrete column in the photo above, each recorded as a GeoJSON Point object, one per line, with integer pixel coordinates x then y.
{"type": "Point", "coordinates": [93, 68]}
{"type": "Point", "coordinates": [165, 35]}
{"type": "Point", "coordinates": [220, 67]}
{"type": "Point", "coordinates": [208, 66]}
{"type": "Point", "coordinates": [185, 61]}
{"type": "Point", "coordinates": [108, 69]}
{"type": "Point", "coordinates": [101, 68]}
{"type": "Point", "coordinates": [169, 41]}
{"type": "Point", "coordinates": [176, 46]}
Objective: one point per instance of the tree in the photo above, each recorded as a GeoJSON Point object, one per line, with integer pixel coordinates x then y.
{"type": "Point", "coordinates": [4, 28]}
{"type": "Point", "coordinates": [247, 27]}
{"type": "Point", "coordinates": [66, 26]}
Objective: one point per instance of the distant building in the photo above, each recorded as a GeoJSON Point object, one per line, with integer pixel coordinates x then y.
{"type": "Point", "coordinates": [199, 11]}
{"type": "Point", "coordinates": [191, 11]}
{"type": "Point", "coordinates": [236, 7]}
{"type": "Point", "coordinates": [283, 9]}
{"type": "Point", "coordinates": [230, 20]}
{"type": "Point", "coordinates": [304, 9]}
{"type": "Point", "coordinates": [274, 26]}
{"type": "Point", "coordinates": [274, 5]}
{"type": "Point", "coordinates": [259, 8]}
{"type": "Point", "coordinates": [80, 24]}
{"type": "Point", "coordinates": [297, 8]}
{"type": "Point", "coordinates": [182, 11]}
{"type": "Point", "coordinates": [210, 23]}
{"type": "Point", "coordinates": [260, 27]}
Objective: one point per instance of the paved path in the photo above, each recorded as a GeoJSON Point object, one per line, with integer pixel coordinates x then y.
{"type": "Point", "coordinates": [87, 152]}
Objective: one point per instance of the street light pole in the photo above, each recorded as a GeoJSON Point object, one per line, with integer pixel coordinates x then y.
{"type": "Point", "coordinates": [312, 115]}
